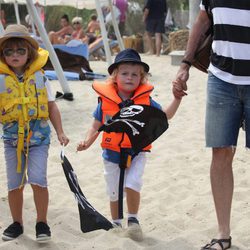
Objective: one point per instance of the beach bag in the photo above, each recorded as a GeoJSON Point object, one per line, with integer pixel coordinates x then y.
{"type": "Point", "coordinates": [202, 55]}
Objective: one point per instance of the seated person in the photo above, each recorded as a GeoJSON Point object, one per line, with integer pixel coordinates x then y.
{"type": "Point", "coordinates": [61, 36]}
{"type": "Point", "coordinates": [93, 30]}
{"type": "Point", "coordinates": [78, 33]}
{"type": "Point", "coordinates": [32, 28]}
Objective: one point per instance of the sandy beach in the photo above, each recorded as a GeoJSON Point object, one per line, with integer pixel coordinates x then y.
{"type": "Point", "coordinates": [177, 211]}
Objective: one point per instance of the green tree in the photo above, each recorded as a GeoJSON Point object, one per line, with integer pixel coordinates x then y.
{"type": "Point", "coordinates": [178, 5]}
{"type": "Point", "coordinates": [53, 15]}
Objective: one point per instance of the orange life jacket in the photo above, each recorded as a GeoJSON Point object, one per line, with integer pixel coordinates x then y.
{"type": "Point", "coordinates": [110, 106]}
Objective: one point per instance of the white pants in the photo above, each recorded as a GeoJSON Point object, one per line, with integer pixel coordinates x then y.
{"type": "Point", "coordinates": [132, 178]}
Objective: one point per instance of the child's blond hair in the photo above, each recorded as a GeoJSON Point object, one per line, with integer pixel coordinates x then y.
{"type": "Point", "coordinates": [144, 74]}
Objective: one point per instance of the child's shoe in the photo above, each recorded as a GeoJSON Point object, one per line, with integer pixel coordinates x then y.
{"type": "Point", "coordinates": [117, 225]}
{"type": "Point", "coordinates": [134, 230]}
{"type": "Point", "coordinates": [12, 231]}
{"type": "Point", "coordinates": [43, 233]}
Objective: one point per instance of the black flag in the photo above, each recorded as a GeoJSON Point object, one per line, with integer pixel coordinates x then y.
{"type": "Point", "coordinates": [142, 123]}
{"type": "Point", "coordinates": [90, 219]}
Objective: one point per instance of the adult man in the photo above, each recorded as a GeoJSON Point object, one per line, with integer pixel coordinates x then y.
{"type": "Point", "coordinates": [228, 98]}
{"type": "Point", "coordinates": [154, 14]}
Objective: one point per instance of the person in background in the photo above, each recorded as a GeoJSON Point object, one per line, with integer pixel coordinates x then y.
{"type": "Point", "coordinates": [78, 33]}
{"type": "Point", "coordinates": [61, 36]}
{"type": "Point", "coordinates": [122, 5]}
{"type": "Point", "coordinates": [93, 30]}
{"type": "Point", "coordinates": [154, 15]}
{"type": "Point", "coordinates": [32, 28]}
{"type": "Point", "coordinates": [3, 20]}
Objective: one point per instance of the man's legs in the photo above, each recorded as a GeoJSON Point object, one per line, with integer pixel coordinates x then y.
{"type": "Point", "coordinates": [222, 188]}
{"type": "Point", "coordinates": [158, 43]}
{"type": "Point", "coordinates": [150, 43]}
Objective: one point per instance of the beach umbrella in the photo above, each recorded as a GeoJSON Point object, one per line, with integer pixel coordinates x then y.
{"type": "Point", "coordinates": [90, 219]}
{"type": "Point", "coordinates": [143, 124]}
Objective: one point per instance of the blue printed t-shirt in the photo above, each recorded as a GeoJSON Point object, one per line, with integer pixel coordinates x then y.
{"type": "Point", "coordinates": [40, 132]}
{"type": "Point", "coordinates": [40, 128]}
{"type": "Point", "coordinates": [108, 154]}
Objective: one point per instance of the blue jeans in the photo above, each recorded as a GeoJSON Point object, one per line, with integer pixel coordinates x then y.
{"type": "Point", "coordinates": [37, 166]}
{"type": "Point", "coordinates": [227, 106]}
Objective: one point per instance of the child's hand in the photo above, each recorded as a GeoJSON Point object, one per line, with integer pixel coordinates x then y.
{"type": "Point", "coordinates": [178, 89]}
{"type": "Point", "coordinates": [82, 146]}
{"type": "Point", "coordinates": [63, 139]}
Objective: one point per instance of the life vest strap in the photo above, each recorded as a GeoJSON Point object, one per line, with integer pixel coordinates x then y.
{"type": "Point", "coordinates": [20, 147]}
{"type": "Point", "coordinates": [21, 100]}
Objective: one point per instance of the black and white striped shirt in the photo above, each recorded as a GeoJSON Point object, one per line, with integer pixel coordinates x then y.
{"type": "Point", "coordinates": [230, 59]}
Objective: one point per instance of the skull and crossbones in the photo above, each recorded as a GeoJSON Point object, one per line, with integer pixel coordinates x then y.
{"type": "Point", "coordinates": [130, 112]}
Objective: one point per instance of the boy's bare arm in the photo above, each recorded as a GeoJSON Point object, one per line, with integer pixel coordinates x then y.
{"type": "Point", "coordinates": [55, 118]}
{"type": "Point", "coordinates": [91, 136]}
{"type": "Point", "coordinates": [171, 109]}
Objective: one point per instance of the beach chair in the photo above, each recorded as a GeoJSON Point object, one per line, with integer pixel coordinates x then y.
{"type": "Point", "coordinates": [96, 49]}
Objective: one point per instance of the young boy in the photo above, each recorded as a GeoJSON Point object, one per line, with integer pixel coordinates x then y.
{"type": "Point", "coordinates": [128, 81]}
{"type": "Point", "coordinates": [26, 104]}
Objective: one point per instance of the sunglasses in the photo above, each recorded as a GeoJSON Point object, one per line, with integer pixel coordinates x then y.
{"type": "Point", "coordinates": [76, 23]}
{"type": "Point", "coordinates": [10, 52]}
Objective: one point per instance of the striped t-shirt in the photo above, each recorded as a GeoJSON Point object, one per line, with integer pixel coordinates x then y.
{"type": "Point", "coordinates": [230, 60]}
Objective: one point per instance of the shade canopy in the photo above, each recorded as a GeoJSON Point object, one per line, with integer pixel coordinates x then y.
{"type": "Point", "coordinates": [80, 4]}
{"type": "Point", "coordinates": [90, 4]}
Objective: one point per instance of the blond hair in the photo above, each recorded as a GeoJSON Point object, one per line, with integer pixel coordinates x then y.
{"type": "Point", "coordinates": [144, 74]}
{"type": "Point", "coordinates": [77, 19]}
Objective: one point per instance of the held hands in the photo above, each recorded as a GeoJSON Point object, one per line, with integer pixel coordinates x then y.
{"type": "Point", "coordinates": [178, 89]}
{"type": "Point", "coordinates": [63, 139]}
{"type": "Point", "coordinates": [179, 84]}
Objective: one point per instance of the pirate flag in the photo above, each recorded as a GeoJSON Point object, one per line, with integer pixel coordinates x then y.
{"type": "Point", "coordinates": [90, 219]}
{"type": "Point", "coordinates": [142, 123]}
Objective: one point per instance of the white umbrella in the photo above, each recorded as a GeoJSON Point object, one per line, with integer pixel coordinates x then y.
{"type": "Point", "coordinates": [90, 4]}
{"type": "Point", "coordinates": [80, 4]}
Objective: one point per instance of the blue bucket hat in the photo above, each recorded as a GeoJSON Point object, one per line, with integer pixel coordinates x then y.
{"type": "Point", "coordinates": [127, 55]}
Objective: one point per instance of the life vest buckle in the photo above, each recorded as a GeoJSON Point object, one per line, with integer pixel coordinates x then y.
{"type": "Point", "coordinates": [20, 130]}
{"type": "Point", "coordinates": [25, 100]}
{"type": "Point", "coordinates": [125, 158]}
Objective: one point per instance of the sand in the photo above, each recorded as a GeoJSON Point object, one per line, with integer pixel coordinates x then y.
{"type": "Point", "coordinates": [177, 211]}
